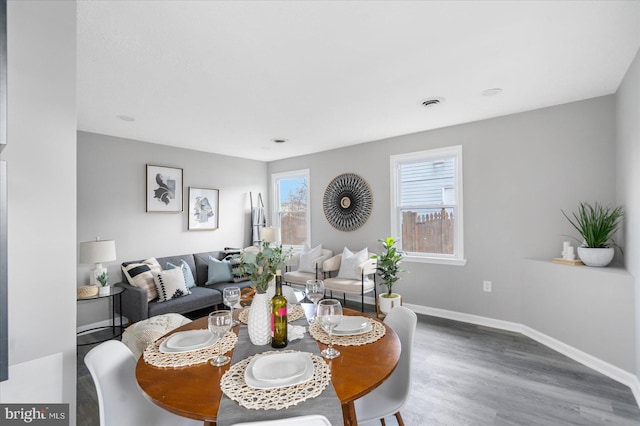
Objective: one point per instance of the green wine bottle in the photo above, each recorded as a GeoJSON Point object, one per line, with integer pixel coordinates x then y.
{"type": "Point", "coordinates": [279, 316]}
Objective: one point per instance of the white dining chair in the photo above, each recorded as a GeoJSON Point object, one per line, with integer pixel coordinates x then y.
{"type": "Point", "coordinates": [310, 420]}
{"type": "Point", "coordinates": [389, 398]}
{"type": "Point", "coordinates": [120, 400]}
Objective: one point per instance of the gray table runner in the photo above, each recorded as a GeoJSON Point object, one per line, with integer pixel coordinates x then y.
{"type": "Point", "coordinates": [327, 403]}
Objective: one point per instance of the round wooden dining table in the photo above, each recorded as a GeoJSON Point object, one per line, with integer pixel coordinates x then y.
{"type": "Point", "coordinates": [194, 391]}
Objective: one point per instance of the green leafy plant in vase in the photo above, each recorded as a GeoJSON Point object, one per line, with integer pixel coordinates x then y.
{"type": "Point", "coordinates": [597, 225]}
{"type": "Point", "coordinates": [388, 268]}
{"type": "Point", "coordinates": [260, 267]}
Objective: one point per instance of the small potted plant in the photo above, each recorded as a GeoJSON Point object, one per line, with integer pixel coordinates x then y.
{"type": "Point", "coordinates": [388, 268]}
{"type": "Point", "coordinates": [103, 288]}
{"type": "Point", "coordinates": [596, 224]}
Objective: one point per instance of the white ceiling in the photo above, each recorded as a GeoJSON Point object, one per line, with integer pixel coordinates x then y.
{"type": "Point", "coordinates": [228, 77]}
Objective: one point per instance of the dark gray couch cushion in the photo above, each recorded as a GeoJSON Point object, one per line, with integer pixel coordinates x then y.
{"type": "Point", "coordinates": [199, 298]}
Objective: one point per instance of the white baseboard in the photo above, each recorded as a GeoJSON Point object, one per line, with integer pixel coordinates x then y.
{"type": "Point", "coordinates": [609, 370]}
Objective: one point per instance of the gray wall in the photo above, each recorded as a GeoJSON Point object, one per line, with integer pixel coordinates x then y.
{"type": "Point", "coordinates": [519, 172]}
{"type": "Point", "coordinates": [628, 140]}
{"type": "Point", "coordinates": [111, 203]}
{"type": "Point", "coordinates": [41, 168]}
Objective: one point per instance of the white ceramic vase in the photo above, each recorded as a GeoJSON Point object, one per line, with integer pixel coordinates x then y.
{"type": "Point", "coordinates": [386, 304]}
{"type": "Point", "coordinates": [596, 256]}
{"type": "Point", "coordinates": [103, 290]}
{"type": "Point", "coordinates": [259, 323]}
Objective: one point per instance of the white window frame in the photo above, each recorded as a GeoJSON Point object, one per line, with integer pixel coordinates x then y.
{"type": "Point", "coordinates": [457, 258]}
{"type": "Point", "coordinates": [275, 201]}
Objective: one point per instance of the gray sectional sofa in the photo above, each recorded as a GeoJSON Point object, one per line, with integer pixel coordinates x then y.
{"type": "Point", "coordinates": [135, 304]}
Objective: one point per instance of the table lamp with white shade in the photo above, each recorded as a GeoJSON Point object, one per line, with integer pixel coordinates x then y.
{"type": "Point", "coordinates": [97, 252]}
{"type": "Point", "coordinates": [270, 234]}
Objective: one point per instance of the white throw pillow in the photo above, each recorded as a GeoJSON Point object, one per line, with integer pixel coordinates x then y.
{"type": "Point", "coordinates": [170, 284]}
{"type": "Point", "coordinates": [350, 262]}
{"type": "Point", "coordinates": [308, 257]}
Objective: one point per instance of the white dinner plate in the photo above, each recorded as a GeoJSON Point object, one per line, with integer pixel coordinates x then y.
{"type": "Point", "coordinates": [351, 324]}
{"type": "Point", "coordinates": [276, 362]}
{"type": "Point", "coordinates": [366, 329]}
{"type": "Point", "coordinates": [279, 367]}
{"type": "Point", "coordinates": [187, 341]}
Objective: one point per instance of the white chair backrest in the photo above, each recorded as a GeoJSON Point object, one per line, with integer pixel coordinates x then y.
{"type": "Point", "coordinates": [310, 420]}
{"type": "Point", "coordinates": [121, 402]}
{"type": "Point", "coordinates": [403, 322]}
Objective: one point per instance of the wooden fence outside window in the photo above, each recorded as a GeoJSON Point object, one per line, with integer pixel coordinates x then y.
{"type": "Point", "coordinates": [428, 233]}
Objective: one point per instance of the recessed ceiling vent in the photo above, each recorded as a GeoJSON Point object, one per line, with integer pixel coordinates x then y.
{"type": "Point", "coordinates": [431, 102]}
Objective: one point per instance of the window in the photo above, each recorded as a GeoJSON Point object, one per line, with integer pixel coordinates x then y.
{"type": "Point", "coordinates": [426, 207]}
{"type": "Point", "coordinates": [291, 206]}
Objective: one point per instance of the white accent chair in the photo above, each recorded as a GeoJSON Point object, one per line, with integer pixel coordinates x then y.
{"type": "Point", "coordinates": [120, 400]}
{"type": "Point", "coordinates": [311, 420]}
{"type": "Point", "coordinates": [389, 398]}
{"type": "Point", "coordinates": [293, 276]}
{"type": "Point", "coordinates": [366, 282]}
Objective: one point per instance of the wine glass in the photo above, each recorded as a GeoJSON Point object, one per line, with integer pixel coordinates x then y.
{"type": "Point", "coordinates": [219, 324]}
{"type": "Point", "coordinates": [329, 316]}
{"type": "Point", "coordinates": [231, 297]}
{"type": "Point", "coordinates": [315, 292]}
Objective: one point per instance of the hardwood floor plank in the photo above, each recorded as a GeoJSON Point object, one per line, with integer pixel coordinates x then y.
{"type": "Point", "coordinates": [468, 375]}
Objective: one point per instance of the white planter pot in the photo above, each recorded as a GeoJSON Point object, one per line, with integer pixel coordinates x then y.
{"type": "Point", "coordinates": [259, 322]}
{"type": "Point", "coordinates": [385, 304]}
{"type": "Point", "coordinates": [103, 290]}
{"type": "Point", "coordinates": [596, 256]}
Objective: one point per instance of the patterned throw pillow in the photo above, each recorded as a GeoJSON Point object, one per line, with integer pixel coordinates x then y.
{"type": "Point", "coordinates": [186, 270]}
{"type": "Point", "coordinates": [141, 275]}
{"type": "Point", "coordinates": [308, 257]}
{"type": "Point", "coordinates": [219, 271]}
{"type": "Point", "coordinates": [170, 284]}
{"type": "Point", "coordinates": [350, 262]}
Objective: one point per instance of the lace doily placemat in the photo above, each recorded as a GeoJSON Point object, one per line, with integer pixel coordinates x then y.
{"type": "Point", "coordinates": [153, 356]}
{"type": "Point", "coordinates": [234, 386]}
{"type": "Point", "coordinates": [377, 332]}
{"type": "Point", "coordinates": [293, 315]}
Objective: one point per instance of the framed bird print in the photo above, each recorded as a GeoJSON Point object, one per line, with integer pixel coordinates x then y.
{"type": "Point", "coordinates": [203, 208]}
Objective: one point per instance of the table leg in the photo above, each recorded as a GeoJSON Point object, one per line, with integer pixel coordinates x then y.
{"type": "Point", "coordinates": [349, 414]}
{"type": "Point", "coordinates": [208, 423]}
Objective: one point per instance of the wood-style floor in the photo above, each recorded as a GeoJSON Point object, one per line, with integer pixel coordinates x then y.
{"type": "Point", "coordinates": [465, 374]}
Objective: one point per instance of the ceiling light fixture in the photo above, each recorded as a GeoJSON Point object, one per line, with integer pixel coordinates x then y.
{"type": "Point", "coordinates": [431, 102]}
{"type": "Point", "coordinates": [278, 140]}
{"type": "Point", "coordinates": [492, 92]}
{"type": "Point", "coordinates": [125, 117]}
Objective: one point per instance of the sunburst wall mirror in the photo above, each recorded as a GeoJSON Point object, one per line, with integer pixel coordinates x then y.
{"type": "Point", "coordinates": [347, 202]}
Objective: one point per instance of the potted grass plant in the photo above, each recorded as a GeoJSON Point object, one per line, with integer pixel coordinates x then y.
{"type": "Point", "coordinates": [597, 225]}
{"type": "Point", "coordinates": [388, 268]}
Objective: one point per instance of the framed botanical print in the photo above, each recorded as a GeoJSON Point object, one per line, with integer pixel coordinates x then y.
{"type": "Point", "coordinates": [203, 208]}
{"type": "Point", "coordinates": [164, 189]}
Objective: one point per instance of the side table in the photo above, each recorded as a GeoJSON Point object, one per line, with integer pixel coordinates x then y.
{"type": "Point", "coordinates": [102, 334]}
